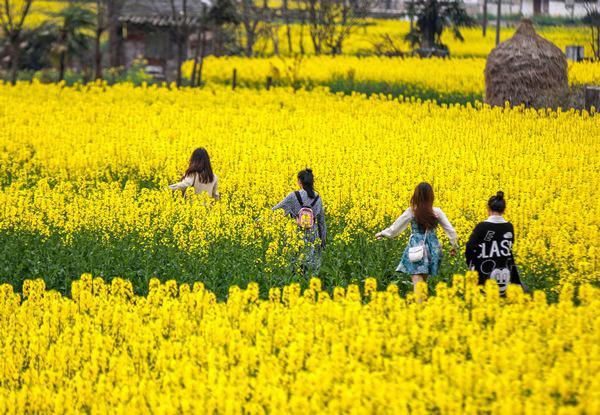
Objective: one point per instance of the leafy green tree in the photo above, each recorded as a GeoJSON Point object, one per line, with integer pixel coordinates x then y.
{"type": "Point", "coordinates": [433, 18]}
{"type": "Point", "coordinates": [223, 21]}
{"type": "Point", "coordinates": [74, 25]}
{"type": "Point", "coordinates": [215, 16]}
{"type": "Point", "coordinates": [36, 45]}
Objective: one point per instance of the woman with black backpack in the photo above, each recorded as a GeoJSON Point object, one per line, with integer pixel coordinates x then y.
{"type": "Point", "coordinates": [306, 207]}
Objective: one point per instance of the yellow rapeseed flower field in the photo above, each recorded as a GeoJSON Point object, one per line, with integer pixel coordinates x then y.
{"type": "Point", "coordinates": [84, 174]}
{"type": "Point", "coordinates": [40, 12]}
{"type": "Point", "coordinates": [446, 79]}
{"type": "Point", "coordinates": [178, 350]}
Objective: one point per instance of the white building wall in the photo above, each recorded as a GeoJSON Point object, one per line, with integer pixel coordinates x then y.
{"type": "Point", "coordinates": [556, 8]}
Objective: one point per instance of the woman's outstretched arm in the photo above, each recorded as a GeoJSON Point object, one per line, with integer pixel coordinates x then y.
{"type": "Point", "coordinates": [398, 226]}
{"type": "Point", "coordinates": [183, 184]}
{"type": "Point", "coordinates": [447, 227]}
{"type": "Point", "coordinates": [286, 204]}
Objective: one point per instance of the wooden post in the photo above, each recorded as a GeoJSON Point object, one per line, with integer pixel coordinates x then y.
{"type": "Point", "coordinates": [537, 7]}
{"type": "Point", "coordinates": [234, 79]}
{"type": "Point", "coordinates": [545, 7]}
{"type": "Point", "coordinates": [592, 97]}
{"type": "Point", "coordinates": [574, 53]}
{"type": "Point", "coordinates": [269, 81]}
{"type": "Point", "coordinates": [485, 18]}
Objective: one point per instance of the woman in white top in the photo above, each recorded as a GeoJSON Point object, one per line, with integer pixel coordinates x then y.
{"type": "Point", "coordinates": [424, 219]}
{"type": "Point", "coordinates": [199, 174]}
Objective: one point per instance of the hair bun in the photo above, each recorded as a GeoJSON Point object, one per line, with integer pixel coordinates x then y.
{"type": "Point", "coordinates": [500, 195]}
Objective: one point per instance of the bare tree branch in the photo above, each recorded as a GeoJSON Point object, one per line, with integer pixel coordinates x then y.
{"type": "Point", "coordinates": [12, 21]}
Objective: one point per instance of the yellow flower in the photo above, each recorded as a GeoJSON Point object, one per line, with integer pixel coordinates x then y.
{"type": "Point", "coordinates": [187, 353]}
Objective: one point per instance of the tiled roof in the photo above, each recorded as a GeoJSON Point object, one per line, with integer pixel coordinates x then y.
{"type": "Point", "coordinates": [162, 12]}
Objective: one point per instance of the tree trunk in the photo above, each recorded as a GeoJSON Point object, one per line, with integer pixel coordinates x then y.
{"type": "Point", "coordinates": [249, 43]}
{"type": "Point", "coordinates": [14, 59]}
{"type": "Point", "coordinates": [593, 42]}
{"type": "Point", "coordinates": [275, 39]}
{"type": "Point", "coordinates": [97, 56]}
{"type": "Point", "coordinates": [484, 23]}
{"type": "Point", "coordinates": [115, 46]}
{"type": "Point", "coordinates": [545, 7]}
{"type": "Point", "coordinates": [288, 29]}
{"type": "Point", "coordinates": [98, 38]}
{"type": "Point", "coordinates": [315, 40]}
{"type": "Point", "coordinates": [200, 42]}
{"type": "Point", "coordinates": [597, 52]}
{"type": "Point", "coordinates": [62, 57]}
{"type": "Point", "coordinates": [337, 47]}
{"type": "Point", "coordinates": [428, 39]}
{"type": "Point", "coordinates": [115, 34]}
{"type": "Point", "coordinates": [202, 54]}
{"type": "Point", "coordinates": [592, 97]}
{"type": "Point", "coordinates": [86, 74]}
{"type": "Point", "coordinates": [316, 45]}
{"type": "Point", "coordinates": [61, 66]}
{"type": "Point", "coordinates": [180, 52]}
{"type": "Point", "coordinates": [301, 37]}
{"type": "Point", "coordinates": [195, 65]}
{"type": "Point", "coordinates": [314, 28]}
{"type": "Point", "coordinates": [521, 8]}
{"type": "Point", "coordinates": [537, 7]}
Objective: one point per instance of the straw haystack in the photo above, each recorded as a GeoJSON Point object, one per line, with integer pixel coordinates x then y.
{"type": "Point", "coordinates": [526, 69]}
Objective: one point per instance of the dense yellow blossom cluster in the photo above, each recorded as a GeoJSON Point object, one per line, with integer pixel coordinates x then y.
{"type": "Point", "coordinates": [413, 76]}
{"type": "Point", "coordinates": [444, 76]}
{"type": "Point", "coordinates": [41, 11]}
{"type": "Point", "coordinates": [178, 350]}
{"type": "Point", "coordinates": [99, 159]}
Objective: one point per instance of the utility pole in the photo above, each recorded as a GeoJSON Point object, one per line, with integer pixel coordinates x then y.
{"type": "Point", "coordinates": [498, 13]}
{"type": "Point", "coordinates": [485, 18]}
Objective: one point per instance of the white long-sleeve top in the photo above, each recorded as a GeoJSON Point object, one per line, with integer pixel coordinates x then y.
{"type": "Point", "coordinates": [402, 222]}
{"type": "Point", "coordinates": [192, 180]}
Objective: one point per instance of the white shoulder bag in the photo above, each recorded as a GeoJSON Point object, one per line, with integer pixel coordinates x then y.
{"type": "Point", "coordinates": [417, 253]}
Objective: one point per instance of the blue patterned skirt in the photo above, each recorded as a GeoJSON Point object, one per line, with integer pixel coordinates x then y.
{"type": "Point", "coordinates": [430, 264]}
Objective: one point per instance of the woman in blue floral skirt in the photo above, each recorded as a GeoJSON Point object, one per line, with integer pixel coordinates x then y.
{"type": "Point", "coordinates": [423, 255]}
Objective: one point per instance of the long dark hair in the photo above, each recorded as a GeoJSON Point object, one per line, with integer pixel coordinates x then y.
{"type": "Point", "coordinates": [200, 165]}
{"type": "Point", "coordinates": [497, 203]}
{"type": "Point", "coordinates": [422, 206]}
{"type": "Point", "coordinates": [308, 182]}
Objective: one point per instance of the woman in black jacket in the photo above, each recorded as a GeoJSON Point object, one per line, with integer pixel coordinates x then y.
{"type": "Point", "coordinates": [489, 250]}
